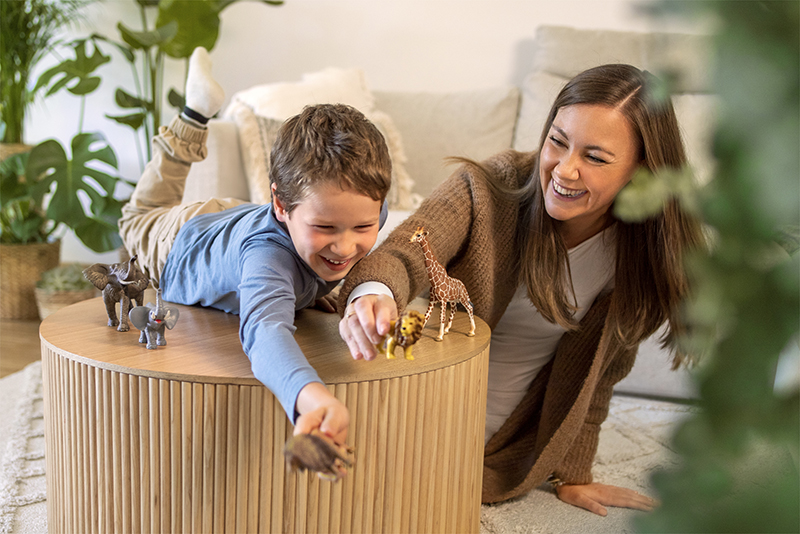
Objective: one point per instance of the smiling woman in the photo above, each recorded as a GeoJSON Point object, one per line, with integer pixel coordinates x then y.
{"type": "Point", "coordinates": [568, 290]}
{"type": "Point", "coordinates": [588, 157]}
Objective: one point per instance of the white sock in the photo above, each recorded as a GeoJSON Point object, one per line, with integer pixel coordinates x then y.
{"type": "Point", "coordinates": [203, 94]}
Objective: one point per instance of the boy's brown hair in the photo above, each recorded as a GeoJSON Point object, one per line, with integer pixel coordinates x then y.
{"type": "Point", "coordinates": [329, 143]}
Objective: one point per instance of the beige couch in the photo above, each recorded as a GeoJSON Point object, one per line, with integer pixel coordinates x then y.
{"type": "Point", "coordinates": [422, 129]}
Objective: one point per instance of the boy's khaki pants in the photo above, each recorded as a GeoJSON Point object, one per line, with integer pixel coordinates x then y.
{"type": "Point", "coordinates": [152, 218]}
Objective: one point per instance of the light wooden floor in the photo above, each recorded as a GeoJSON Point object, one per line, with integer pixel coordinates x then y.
{"type": "Point", "coordinates": [19, 345]}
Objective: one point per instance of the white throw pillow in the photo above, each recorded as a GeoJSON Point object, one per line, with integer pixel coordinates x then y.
{"type": "Point", "coordinates": [260, 110]}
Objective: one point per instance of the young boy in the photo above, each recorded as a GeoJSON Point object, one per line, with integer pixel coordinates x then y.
{"type": "Point", "coordinates": [330, 174]}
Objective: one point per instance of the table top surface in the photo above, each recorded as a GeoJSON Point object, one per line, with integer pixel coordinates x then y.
{"type": "Point", "coordinates": [204, 346]}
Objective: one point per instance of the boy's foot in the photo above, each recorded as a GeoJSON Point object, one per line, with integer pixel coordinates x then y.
{"type": "Point", "coordinates": [203, 94]}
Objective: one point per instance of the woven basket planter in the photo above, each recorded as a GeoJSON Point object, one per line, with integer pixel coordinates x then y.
{"type": "Point", "coordinates": [51, 301]}
{"type": "Point", "coordinates": [21, 266]}
{"type": "Point", "coordinates": [9, 149]}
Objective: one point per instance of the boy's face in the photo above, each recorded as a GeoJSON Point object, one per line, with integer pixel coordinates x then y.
{"type": "Point", "coordinates": [331, 228]}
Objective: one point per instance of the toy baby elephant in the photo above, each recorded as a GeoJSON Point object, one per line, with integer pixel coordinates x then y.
{"type": "Point", "coordinates": [152, 321]}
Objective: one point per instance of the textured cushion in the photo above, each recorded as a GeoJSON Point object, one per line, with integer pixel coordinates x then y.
{"type": "Point", "coordinates": [434, 126]}
{"type": "Point", "coordinates": [260, 110]}
{"type": "Point", "coordinates": [561, 53]}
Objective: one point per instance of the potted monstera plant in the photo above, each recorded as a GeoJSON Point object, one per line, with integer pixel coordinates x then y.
{"type": "Point", "coordinates": [29, 29]}
{"type": "Point", "coordinates": [40, 197]}
{"type": "Point", "coordinates": [43, 192]}
{"type": "Point", "coordinates": [52, 187]}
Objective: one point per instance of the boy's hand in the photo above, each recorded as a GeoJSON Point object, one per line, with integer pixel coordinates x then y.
{"type": "Point", "coordinates": [321, 410]}
{"type": "Point", "coordinates": [365, 323]}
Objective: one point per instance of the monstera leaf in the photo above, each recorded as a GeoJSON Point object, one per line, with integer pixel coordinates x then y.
{"type": "Point", "coordinates": [145, 40]}
{"type": "Point", "coordinates": [198, 23]}
{"type": "Point", "coordinates": [78, 70]}
{"type": "Point", "coordinates": [70, 179]}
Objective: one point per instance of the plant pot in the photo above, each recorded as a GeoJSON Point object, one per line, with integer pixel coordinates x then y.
{"type": "Point", "coordinates": [51, 301]}
{"type": "Point", "coordinates": [21, 266]}
{"type": "Point", "coordinates": [9, 149]}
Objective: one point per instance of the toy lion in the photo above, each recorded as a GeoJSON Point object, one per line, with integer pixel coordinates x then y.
{"type": "Point", "coordinates": [403, 332]}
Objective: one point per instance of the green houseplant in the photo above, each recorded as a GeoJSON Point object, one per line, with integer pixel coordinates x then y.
{"type": "Point", "coordinates": [28, 31]}
{"type": "Point", "coordinates": [171, 28]}
{"type": "Point", "coordinates": [29, 226]}
{"type": "Point", "coordinates": [41, 190]}
{"type": "Point", "coordinates": [739, 468]}
{"type": "Point", "coordinates": [62, 286]}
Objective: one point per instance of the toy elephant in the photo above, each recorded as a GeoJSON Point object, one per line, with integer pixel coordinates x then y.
{"type": "Point", "coordinates": [152, 321]}
{"type": "Point", "coordinates": [120, 282]}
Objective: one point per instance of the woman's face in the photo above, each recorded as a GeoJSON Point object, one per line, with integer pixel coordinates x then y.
{"type": "Point", "coordinates": [589, 155]}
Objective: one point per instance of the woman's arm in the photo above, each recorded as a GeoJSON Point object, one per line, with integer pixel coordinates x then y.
{"type": "Point", "coordinates": [576, 465]}
{"type": "Point", "coordinates": [400, 265]}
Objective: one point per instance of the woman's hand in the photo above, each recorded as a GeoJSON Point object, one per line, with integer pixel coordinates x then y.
{"type": "Point", "coordinates": [321, 410]}
{"type": "Point", "coordinates": [366, 320]}
{"type": "Point", "coordinates": [595, 497]}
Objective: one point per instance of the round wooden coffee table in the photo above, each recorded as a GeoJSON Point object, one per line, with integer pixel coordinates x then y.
{"type": "Point", "coordinates": [184, 439]}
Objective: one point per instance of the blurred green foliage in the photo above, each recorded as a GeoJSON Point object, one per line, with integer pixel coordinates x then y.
{"type": "Point", "coordinates": [738, 469]}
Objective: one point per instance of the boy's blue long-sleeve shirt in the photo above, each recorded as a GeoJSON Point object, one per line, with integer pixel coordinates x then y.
{"type": "Point", "coordinates": [243, 261]}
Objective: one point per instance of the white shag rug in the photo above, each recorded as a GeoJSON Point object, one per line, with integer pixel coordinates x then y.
{"type": "Point", "coordinates": [22, 482]}
{"type": "Point", "coordinates": [634, 441]}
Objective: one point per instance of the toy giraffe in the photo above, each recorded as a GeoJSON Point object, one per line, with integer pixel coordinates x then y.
{"type": "Point", "coordinates": [444, 289]}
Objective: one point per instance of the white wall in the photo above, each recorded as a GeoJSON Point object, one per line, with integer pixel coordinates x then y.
{"type": "Point", "coordinates": [430, 45]}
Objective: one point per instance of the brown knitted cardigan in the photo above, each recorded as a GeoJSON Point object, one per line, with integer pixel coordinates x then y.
{"type": "Point", "coordinates": [554, 430]}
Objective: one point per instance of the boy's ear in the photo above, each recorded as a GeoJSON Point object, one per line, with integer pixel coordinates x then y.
{"type": "Point", "coordinates": [278, 206]}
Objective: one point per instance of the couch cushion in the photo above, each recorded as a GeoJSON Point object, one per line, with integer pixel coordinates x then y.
{"type": "Point", "coordinates": [259, 111]}
{"type": "Point", "coordinates": [697, 119]}
{"type": "Point", "coordinates": [566, 51]}
{"type": "Point", "coordinates": [221, 174]}
{"type": "Point", "coordinates": [474, 124]}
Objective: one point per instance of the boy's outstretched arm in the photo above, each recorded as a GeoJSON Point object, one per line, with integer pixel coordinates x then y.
{"type": "Point", "coordinates": [318, 408]}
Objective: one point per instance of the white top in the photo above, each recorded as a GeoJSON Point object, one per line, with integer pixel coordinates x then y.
{"type": "Point", "coordinates": [524, 341]}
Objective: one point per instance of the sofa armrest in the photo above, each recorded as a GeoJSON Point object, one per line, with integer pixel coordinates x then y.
{"type": "Point", "coordinates": [221, 174]}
